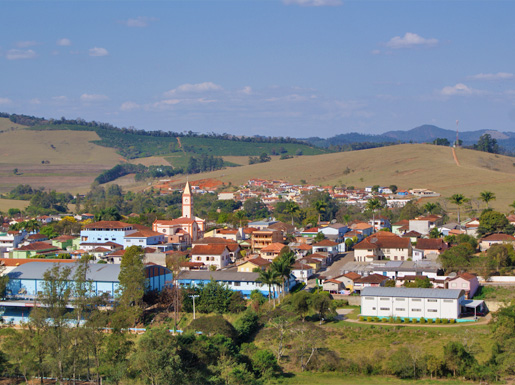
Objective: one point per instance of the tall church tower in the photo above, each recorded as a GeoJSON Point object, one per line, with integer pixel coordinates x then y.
{"type": "Point", "coordinates": [187, 202]}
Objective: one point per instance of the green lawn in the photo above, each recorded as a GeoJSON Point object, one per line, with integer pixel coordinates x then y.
{"type": "Point", "coordinates": [335, 378]}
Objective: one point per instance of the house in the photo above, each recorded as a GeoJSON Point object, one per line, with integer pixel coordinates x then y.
{"type": "Point", "coordinates": [326, 246]}
{"type": "Point", "coordinates": [411, 303]}
{"type": "Point", "coordinates": [423, 225]}
{"type": "Point", "coordinates": [493, 239]}
{"type": "Point", "coordinates": [332, 286]}
{"type": "Point", "coordinates": [310, 233]}
{"type": "Point", "coordinates": [400, 227]}
{"type": "Point", "coordinates": [64, 242]}
{"type": "Point", "coordinates": [300, 249]}
{"type": "Point", "coordinates": [372, 280]}
{"type": "Point", "coordinates": [106, 231]}
{"type": "Point", "coordinates": [335, 232]}
{"type": "Point", "coordinates": [233, 247]}
{"type": "Point", "coordinates": [285, 228]}
{"type": "Point", "coordinates": [379, 223]}
{"type": "Point", "coordinates": [144, 237]}
{"type": "Point", "coordinates": [211, 255]}
{"type": "Point", "coordinates": [465, 281]}
{"type": "Point", "coordinates": [302, 271]}
{"type": "Point", "coordinates": [363, 228]}
{"type": "Point", "coordinates": [383, 245]}
{"type": "Point", "coordinates": [27, 281]}
{"type": "Point", "coordinates": [252, 264]}
{"type": "Point", "coordinates": [412, 236]}
{"type": "Point", "coordinates": [244, 283]}
{"type": "Point", "coordinates": [348, 280]}
{"type": "Point", "coordinates": [230, 234]}
{"type": "Point", "coordinates": [430, 248]}
{"type": "Point", "coordinates": [263, 238]}
{"type": "Point", "coordinates": [315, 261]}
{"type": "Point", "coordinates": [396, 269]}
{"type": "Point", "coordinates": [261, 225]}
{"type": "Point", "coordinates": [37, 238]}
{"type": "Point", "coordinates": [271, 251]}
{"type": "Point", "coordinates": [11, 240]}
{"type": "Point", "coordinates": [36, 248]}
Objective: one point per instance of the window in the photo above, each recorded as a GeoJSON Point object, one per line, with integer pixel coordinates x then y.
{"type": "Point", "coordinates": [448, 300]}
{"type": "Point", "coordinates": [369, 298]}
{"type": "Point", "coordinates": [237, 283]}
{"type": "Point", "coordinates": [384, 308]}
{"type": "Point", "coordinates": [384, 299]}
{"type": "Point", "coordinates": [464, 285]}
{"type": "Point", "coordinates": [400, 309]}
{"type": "Point", "coordinates": [432, 300]}
{"type": "Point", "coordinates": [416, 300]}
{"type": "Point", "coordinates": [416, 310]}
{"type": "Point", "coordinates": [432, 310]}
{"type": "Point", "coordinates": [453, 284]}
{"type": "Point", "coordinates": [373, 308]}
{"type": "Point", "coordinates": [400, 299]}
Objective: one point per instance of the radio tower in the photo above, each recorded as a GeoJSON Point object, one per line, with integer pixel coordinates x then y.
{"type": "Point", "coordinates": [457, 144]}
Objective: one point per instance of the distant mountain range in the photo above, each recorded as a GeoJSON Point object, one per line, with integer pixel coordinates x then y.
{"type": "Point", "coordinates": [422, 134]}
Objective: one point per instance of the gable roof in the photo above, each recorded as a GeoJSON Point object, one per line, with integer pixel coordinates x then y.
{"type": "Point", "coordinates": [499, 238]}
{"type": "Point", "coordinates": [108, 225]}
{"type": "Point", "coordinates": [372, 278]}
{"type": "Point", "coordinates": [273, 247]}
{"type": "Point", "coordinates": [405, 292]}
{"type": "Point", "coordinates": [37, 246]}
{"type": "Point", "coordinates": [325, 242]}
{"type": "Point", "coordinates": [431, 244]}
{"type": "Point", "coordinates": [208, 249]}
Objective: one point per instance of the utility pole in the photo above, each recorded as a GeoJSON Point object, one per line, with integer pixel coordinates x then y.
{"type": "Point", "coordinates": [194, 296]}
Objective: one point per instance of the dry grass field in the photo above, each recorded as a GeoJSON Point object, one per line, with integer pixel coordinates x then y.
{"type": "Point", "coordinates": [405, 165]}
{"type": "Point", "coordinates": [7, 125]}
{"type": "Point", "coordinates": [60, 160]}
{"type": "Point", "coordinates": [6, 204]}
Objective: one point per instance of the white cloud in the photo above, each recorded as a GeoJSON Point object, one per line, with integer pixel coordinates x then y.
{"type": "Point", "coordinates": [139, 22]}
{"type": "Point", "coordinates": [314, 3]}
{"type": "Point", "coordinates": [458, 89]}
{"type": "Point", "coordinates": [35, 101]}
{"type": "Point", "coordinates": [64, 42]}
{"type": "Point", "coordinates": [60, 99]}
{"type": "Point", "coordinates": [15, 54]}
{"type": "Point", "coordinates": [96, 51]}
{"type": "Point", "coordinates": [25, 44]}
{"type": "Point", "coordinates": [5, 101]}
{"type": "Point", "coordinates": [129, 106]}
{"type": "Point", "coordinates": [246, 90]}
{"type": "Point", "coordinates": [93, 98]}
{"type": "Point", "coordinates": [497, 76]}
{"type": "Point", "coordinates": [199, 87]}
{"type": "Point", "coordinates": [410, 40]}
{"type": "Point", "coordinates": [375, 52]}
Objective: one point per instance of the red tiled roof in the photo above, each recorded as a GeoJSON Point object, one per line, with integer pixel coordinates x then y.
{"type": "Point", "coordinates": [259, 261]}
{"type": "Point", "coordinates": [64, 238]}
{"type": "Point", "coordinates": [112, 225]}
{"type": "Point", "coordinates": [37, 236]}
{"type": "Point", "coordinates": [36, 246]}
{"type": "Point", "coordinates": [208, 249]}
{"type": "Point", "coordinates": [372, 278]}
{"type": "Point", "coordinates": [325, 242]}
{"type": "Point", "coordinates": [177, 221]}
{"type": "Point", "coordinates": [431, 244]}
{"type": "Point", "coordinates": [273, 247]}
{"type": "Point", "coordinates": [499, 238]}
{"type": "Point", "coordinates": [21, 261]}
{"type": "Point", "coordinates": [214, 241]}
{"type": "Point", "coordinates": [300, 266]}
{"type": "Point", "coordinates": [147, 233]}
{"type": "Point", "coordinates": [352, 275]}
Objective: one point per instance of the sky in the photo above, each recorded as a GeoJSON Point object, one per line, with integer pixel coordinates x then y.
{"type": "Point", "coordinates": [296, 68]}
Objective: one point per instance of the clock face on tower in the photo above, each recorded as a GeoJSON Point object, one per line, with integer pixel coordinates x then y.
{"type": "Point", "coordinates": [185, 200]}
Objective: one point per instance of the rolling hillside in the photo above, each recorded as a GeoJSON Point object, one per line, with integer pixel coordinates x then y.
{"type": "Point", "coordinates": [405, 165]}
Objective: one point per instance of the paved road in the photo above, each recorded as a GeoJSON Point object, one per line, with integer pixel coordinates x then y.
{"type": "Point", "coordinates": [332, 271]}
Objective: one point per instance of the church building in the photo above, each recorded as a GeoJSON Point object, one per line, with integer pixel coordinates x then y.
{"type": "Point", "coordinates": [186, 229]}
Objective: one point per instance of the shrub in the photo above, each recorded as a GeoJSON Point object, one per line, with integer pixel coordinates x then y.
{"type": "Point", "coordinates": [361, 318]}
{"type": "Point", "coordinates": [340, 303]}
{"type": "Point", "coordinates": [423, 320]}
{"type": "Point", "coordinates": [213, 325]}
{"type": "Point", "coordinates": [246, 324]}
{"type": "Point", "coordinates": [384, 320]}
{"type": "Point", "coordinates": [437, 321]}
{"type": "Point", "coordinates": [377, 319]}
{"type": "Point", "coordinates": [452, 320]}
{"type": "Point", "coordinates": [445, 321]}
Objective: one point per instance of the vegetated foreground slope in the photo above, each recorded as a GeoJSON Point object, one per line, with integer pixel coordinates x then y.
{"type": "Point", "coordinates": [405, 165]}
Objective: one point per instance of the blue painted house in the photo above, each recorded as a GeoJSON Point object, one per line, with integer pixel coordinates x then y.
{"type": "Point", "coordinates": [26, 282]}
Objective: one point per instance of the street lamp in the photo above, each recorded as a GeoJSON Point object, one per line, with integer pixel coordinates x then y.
{"type": "Point", "coordinates": [194, 296]}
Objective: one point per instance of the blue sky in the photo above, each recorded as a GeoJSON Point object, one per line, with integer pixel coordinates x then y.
{"type": "Point", "coordinates": [294, 68]}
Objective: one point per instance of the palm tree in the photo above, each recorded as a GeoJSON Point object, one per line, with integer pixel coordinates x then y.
{"type": "Point", "coordinates": [292, 208]}
{"type": "Point", "coordinates": [240, 215]}
{"type": "Point", "coordinates": [31, 225]}
{"type": "Point", "coordinates": [270, 278]}
{"type": "Point", "coordinates": [372, 205]}
{"type": "Point", "coordinates": [282, 265]}
{"type": "Point", "coordinates": [487, 196]}
{"type": "Point", "coordinates": [429, 207]}
{"type": "Point", "coordinates": [320, 207]}
{"type": "Point", "coordinates": [458, 200]}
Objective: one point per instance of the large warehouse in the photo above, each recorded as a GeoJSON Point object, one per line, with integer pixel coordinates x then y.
{"type": "Point", "coordinates": [411, 303]}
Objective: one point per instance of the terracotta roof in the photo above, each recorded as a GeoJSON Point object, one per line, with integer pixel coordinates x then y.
{"type": "Point", "coordinates": [37, 236]}
{"type": "Point", "coordinates": [361, 226]}
{"type": "Point", "coordinates": [311, 230]}
{"type": "Point", "coordinates": [499, 238]}
{"type": "Point", "coordinates": [273, 247]}
{"type": "Point", "coordinates": [177, 221]}
{"type": "Point", "coordinates": [112, 225]}
{"type": "Point", "coordinates": [259, 261]}
{"type": "Point", "coordinates": [388, 241]}
{"type": "Point", "coordinates": [403, 222]}
{"type": "Point", "coordinates": [100, 250]}
{"type": "Point", "coordinates": [372, 278]}
{"type": "Point", "coordinates": [411, 233]}
{"type": "Point", "coordinates": [144, 234]}
{"type": "Point", "coordinates": [191, 264]}
{"type": "Point", "coordinates": [21, 261]}
{"type": "Point", "coordinates": [325, 242]}
{"type": "Point", "coordinates": [333, 281]}
{"type": "Point", "coordinates": [35, 246]}
{"type": "Point", "coordinates": [214, 241]}
{"type": "Point", "coordinates": [64, 238]}
{"type": "Point", "coordinates": [303, 246]}
{"type": "Point", "coordinates": [465, 276]}
{"type": "Point", "coordinates": [431, 244]}
{"type": "Point", "coordinates": [208, 249]}
{"type": "Point", "coordinates": [352, 275]}
{"type": "Point", "coordinates": [366, 244]}
{"type": "Point", "coordinates": [300, 266]}
{"type": "Point", "coordinates": [226, 231]}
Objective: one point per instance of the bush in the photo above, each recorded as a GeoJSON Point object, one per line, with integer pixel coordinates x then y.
{"type": "Point", "coordinates": [370, 319]}
{"type": "Point", "coordinates": [361, 318]}
{"type": "Point", "coordinates": [437, 321]}
{"type": "Point", "coordinates": [384, 320]}
{"type": "Point", "coordinates": [246, 325]}
{"type": "Point", "coordinates": [452, 320]}
{"type": "Point", "coordinates": [445, 321]}
{"type": "Point", "coordinates": [377, 319]}
{"type": "Point", "coordinates": [423, 320]}
{"type": "Point", "coordinates": [213, 325]}
{"type": "Point", "coordinates": [340, 303]}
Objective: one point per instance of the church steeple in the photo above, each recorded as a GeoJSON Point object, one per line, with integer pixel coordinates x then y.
{"type": "Point", "coordinates": [187, 202]}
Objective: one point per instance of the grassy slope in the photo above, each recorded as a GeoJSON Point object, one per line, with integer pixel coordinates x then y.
{"type": "Point", "coordinates": [405, 165]}
{"type": "Point", "coordinates": [7, 125]}
{"type": "Point", "coordinates": [6, 204]}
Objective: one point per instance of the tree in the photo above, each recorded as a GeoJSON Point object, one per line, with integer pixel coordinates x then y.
{"type": "Point", "coordinates": [435, 233]}
{"type": "Point", "coordinates": [487, 144]}
{"type": "Point", "coordinates": [240, 215]}
{"type": "Point", "coordinates": [494, 222]}
{"type": "Point", "coordinates": [500, 255]}
{"type": "Point", "coordinates": [459, 200]}
{"type": "Point", "coordinates": [270, 278]}
{"type": "Point", "coordinates": [301, 303]}
{"type": "Point", "coordinates": [157, 358]}
{"type": "Point", "coordinates": [292, 208]}
{"type": "Point", "coordinates": [131, 286]}
{"type": "Point", "coordinates": [373, 205]}
{"type": "Point", "coordinates": [487, 196]}
{"type": "Point", "coordinates": [393, 188]}
{"type": "Point", "coordinates": [457, 358]}
{"type": "Point", "coordinates": [429, 207]}
{"type": "Point", "coordinates": [282, 265]}
{"type": "Point", "coordinates": [441, 142]}
{"type": "Point", "coordinates": [457, 257]}
{"type": "Point", "coordinates": [320, 207]}
{"type": "Point", "coordinates": [321, 303]}
{"type": "Point", "coordinates": [319, 237]}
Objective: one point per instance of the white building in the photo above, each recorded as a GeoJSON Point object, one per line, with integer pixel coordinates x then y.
{"type": "Point", "coordinates": [411, 303]}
